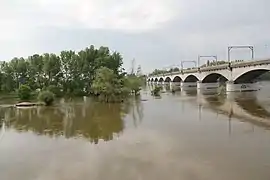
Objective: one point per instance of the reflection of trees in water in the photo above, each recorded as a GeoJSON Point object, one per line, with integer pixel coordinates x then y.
{"type": "Point", "coordinates": [135, 108]}
{"type": "Point", "coordinates": [91, 120]}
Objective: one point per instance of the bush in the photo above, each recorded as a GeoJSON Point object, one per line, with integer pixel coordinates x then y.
{"type": "Point", "coordinates": [156, 91]}
{"type": "Point", "coordinates": [108, 87]}
{"type": "Point", "coordinates": [175, 88]}
{"type": "Point", "coordinates": [24, 92]}
{"type": "Point", "coordinates": [55, 90]}
{"type": "Point", "coordinates": [134, 83]}
{"type": "Point", "coordinates": [47, 97]}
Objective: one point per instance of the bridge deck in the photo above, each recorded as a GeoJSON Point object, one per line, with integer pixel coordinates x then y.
{"type": "Point", "coordinates": [219, 67]}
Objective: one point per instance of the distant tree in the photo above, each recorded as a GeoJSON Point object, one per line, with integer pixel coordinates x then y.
{"type": "Point", "coordinates": [208, 63]}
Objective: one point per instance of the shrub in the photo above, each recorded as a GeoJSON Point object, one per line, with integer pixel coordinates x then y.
{"type": "Point", "coordinates": [55, 90]}
{"type": "Point", "coordinates": [24, 92]}
{"type": "Point", "coordinates": [47, 97]}
{"type": "Point", "coordinates": [175, 88]}
{"type": "Point", "coordinates": [134, 83]}
{"type": "Point", "coordinates": [108, 87]}
{"type": "Point", "coordinates": [156, 91]}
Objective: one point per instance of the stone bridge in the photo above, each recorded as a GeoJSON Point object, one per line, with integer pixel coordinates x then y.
{"type": "Point", "coordinates": [238, 76]}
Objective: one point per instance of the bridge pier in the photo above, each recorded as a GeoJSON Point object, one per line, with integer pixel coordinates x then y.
{"type": "Point", "coordinates": [231, 87]}
{"type": "Point", "coordinates": [166, 83]}
{"type": "Point", "coordinates": [175, 84]}
{"type": "Point", "coordinates": [207, 86]}
{"type": "Point", "coordinates": [188, 85]}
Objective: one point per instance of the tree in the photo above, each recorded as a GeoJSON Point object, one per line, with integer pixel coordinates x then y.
{"type": "Point", "coordinates": [72, 73]}
{"type": "Point", "coordinates": [176, 69]}
{"type": "Point", "coordinates": [24, 92]}
{"type": "Point", "coordinates": [134, 83]}
{"type": "Point", "coordinates": [47, 97]}
{"type": "Point", "coordinates": [107, 86]}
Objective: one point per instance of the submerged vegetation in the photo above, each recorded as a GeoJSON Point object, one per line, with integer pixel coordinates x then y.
{"type": "Point", "coordinates": [47, 97]}
{"type": "Point", "coordinates": [91, 71]}
{"type": "Point", "coordinates": [156, 91]}
{"type": "Point", "coordinates": [24, 92]}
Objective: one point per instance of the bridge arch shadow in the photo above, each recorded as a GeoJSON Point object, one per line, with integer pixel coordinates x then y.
{"type": "Point", "coordinates": [191, 78]}
{"type": "Point", "coordinates": [214, 77]}
{"type": "Point", "coordinates": [177, 79]}
{"type": "Point", "coordinates": [168, 79]}
{"type": "Point", "coordinates": [152, 80]}
{"type": "Point", "coordinates": [161, 80]}
{"type": "Point", "coordinates": [250, 76]}
{"type": "Point", "coordinates": [156, 80]}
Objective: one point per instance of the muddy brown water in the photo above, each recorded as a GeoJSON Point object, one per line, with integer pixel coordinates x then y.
{"type": "Point", "coordinates": [188, 136]}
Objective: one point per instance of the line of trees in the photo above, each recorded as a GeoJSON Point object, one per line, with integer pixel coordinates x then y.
{"type": "Point", "coordinates": [159, 71]}
{"type": "Point", "coordinates": [69, 73]}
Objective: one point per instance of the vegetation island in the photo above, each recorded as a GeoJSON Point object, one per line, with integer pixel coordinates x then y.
{"type": "Point", "coordinates": [89, 72]}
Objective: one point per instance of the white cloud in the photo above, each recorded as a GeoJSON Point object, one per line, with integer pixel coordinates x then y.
{"type": "Point", "coordinates": [128, 15]}
{"type": "Point", "coordinates": [122, 15]}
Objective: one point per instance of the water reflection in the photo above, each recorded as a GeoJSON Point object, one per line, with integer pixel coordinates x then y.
{"type": "Point", "coordinates": [244, 106]}
{"type": "Point", "coordinates": [75, 119]}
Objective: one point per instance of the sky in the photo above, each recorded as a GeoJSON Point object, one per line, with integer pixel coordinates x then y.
{"type": "Point", "coordinates": [156, 33]}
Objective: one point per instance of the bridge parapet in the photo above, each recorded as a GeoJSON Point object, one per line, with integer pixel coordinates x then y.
{"type": "Point", "coordinates": [218, 67]}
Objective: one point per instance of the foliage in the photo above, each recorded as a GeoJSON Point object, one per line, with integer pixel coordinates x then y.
{"type": "Point", "coordinates": [47, 97]}
{"type": "Point", "coordinates": [156, 91]}
{"type": "Point", "coordinates": [175, 88]}
{"type": "Point", "coordinates": [24, 92]}
{"type": "Point", "coordinates": [55, 90]}
{"type": "Point", "coordinates": [71, 72]}
{"type": "Point", "coordinates": [107, 86]}
{"type": "Point", "coordinates": [221, 90]}
{"type": "Point", "coordinates": [134, 83]}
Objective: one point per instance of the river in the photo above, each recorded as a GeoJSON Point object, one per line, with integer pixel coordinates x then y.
{"type": "Point", "coordinates": [183, 136]}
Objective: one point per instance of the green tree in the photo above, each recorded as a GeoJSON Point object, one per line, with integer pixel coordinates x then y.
{"type": "Point", "coordinates": [108, 87]}
{"type": "Point", "coordinates": [24, 92]}
{"type": "Point", "coordinates": [134, 83]}
{"type": "Point", "coordinates": [72, 73]}
{"type": "Point", "coordinates": [47, 97]}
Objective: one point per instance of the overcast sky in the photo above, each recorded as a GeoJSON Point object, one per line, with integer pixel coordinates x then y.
{"type": "Point", "coordinates": [157, 33]}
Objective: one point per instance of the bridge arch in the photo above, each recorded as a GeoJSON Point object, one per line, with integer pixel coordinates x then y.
{"type": "Point", "coordinates": [249, 76]}
{"type": "Point", "coordinates": [168, 79]}
{"type": "Point", "coordinates": [152, 80]}
{"type": "Point", "coordinates": [156, 80]}
{"type": "Point", "coordinates": [161, 80]}
{"type": "Point", "coordinates": [177, 79]}
{"type": "Point", "coordinates": [214, 77]}
{"type": "Point", "coordinates": [191, 78]}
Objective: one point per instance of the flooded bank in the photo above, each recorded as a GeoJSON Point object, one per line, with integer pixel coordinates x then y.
{"type": "Point", "coordinates": [187, 135]}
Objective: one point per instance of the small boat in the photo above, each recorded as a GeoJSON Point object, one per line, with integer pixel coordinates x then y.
{"type": "Point", "coordinates": [26, 104]}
